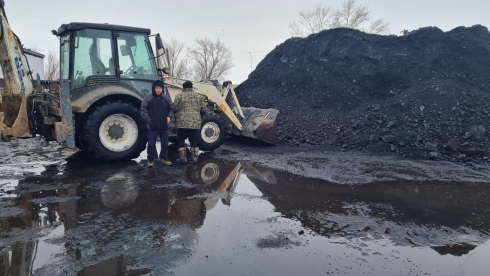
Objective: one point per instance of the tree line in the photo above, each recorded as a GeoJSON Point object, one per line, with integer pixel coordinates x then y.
{"type": "Point", "coordinates": [212, 60]}
{"type": "Point", "coordinates": [350, 14]}
{"type": "Point", "coordinates": [205, 60]}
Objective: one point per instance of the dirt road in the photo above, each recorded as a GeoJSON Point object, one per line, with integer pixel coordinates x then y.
{"type": "Point", "coordinates": [240, 211]}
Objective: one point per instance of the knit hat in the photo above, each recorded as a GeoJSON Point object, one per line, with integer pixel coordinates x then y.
{"type": "Point", "coordinates": [158, 83]}
{"type": "Point", "coordinates": [187, 84]}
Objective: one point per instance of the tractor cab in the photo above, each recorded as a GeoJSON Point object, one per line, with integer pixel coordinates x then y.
{"type": "Point", "coordinates": [110, 69]}
{"type": "Point", "coordinates": [103, 54]}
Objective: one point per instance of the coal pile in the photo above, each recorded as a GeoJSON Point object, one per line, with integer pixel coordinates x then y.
{"type": "Point", "coordinates": [424, 95]}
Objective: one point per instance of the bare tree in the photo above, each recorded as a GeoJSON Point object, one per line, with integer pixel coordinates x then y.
{"type": "Point", "coordinates": [178, 63]}
{"type": "Point", "coordinates": [52, 67]}
{"type": "Point", "coordinates": [181, 69]}
{"type": "Point", "coordinates": [210, 60]}
{"type": "Point", "coordinates": [349, 15]}
{"type": "Point", "coordinates": [312, 21]}
{"type": "Point", "coordinates": [379, 27]}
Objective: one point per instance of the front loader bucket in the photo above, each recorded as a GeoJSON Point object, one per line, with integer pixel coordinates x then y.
{"type": "Point", "coordinates": [13, 116]}
{"type": "Point", "coordinates": [260, 124]}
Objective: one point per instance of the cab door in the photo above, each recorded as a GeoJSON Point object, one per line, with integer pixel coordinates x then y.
{"type": "Point", "coordinates": [137, 66]}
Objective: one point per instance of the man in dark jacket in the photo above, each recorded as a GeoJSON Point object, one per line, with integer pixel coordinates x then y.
{"type": "Point", "coordinates": [157, 110]}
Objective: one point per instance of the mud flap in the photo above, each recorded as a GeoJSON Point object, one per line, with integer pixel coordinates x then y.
{"type": "Point", "coordinates": [260, 124]}
{"type": "Point", "coordinates": [14, 121]}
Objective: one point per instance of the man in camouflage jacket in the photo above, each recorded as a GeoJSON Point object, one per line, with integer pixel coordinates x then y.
{"type": "Point", "coordinates": [188, 106]}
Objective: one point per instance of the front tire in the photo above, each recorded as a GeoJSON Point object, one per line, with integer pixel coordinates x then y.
{"type": "Point", "coordinates": [114, 132]}
{"type": "Point", "coordinates": [212, 132]}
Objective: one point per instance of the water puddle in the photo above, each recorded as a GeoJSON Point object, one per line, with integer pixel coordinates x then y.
{"type": "Point", "coordinates": [233, 218]}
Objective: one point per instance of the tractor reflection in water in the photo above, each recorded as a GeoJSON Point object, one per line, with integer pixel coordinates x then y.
{"type": "Point", "coordinates": [113, 216]}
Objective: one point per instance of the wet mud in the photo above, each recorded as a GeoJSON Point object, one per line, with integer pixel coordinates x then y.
{"type": "Point", "coordinates": [228, 215]}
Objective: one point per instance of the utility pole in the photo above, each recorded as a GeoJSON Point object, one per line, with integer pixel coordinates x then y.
{"type": "Point", "coordinates": [250, 62]}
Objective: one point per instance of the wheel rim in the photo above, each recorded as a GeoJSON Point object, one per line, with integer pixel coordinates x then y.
{"type": "Point", "coordinates": [209, 173]}
{"type": "Point", "coordinates": [118, 132]}
{"type": "Point", "coordinates": [210, 132]}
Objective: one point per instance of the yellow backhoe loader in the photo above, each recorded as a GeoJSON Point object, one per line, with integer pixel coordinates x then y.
{"type": "Point", "coordinates": [105, 71]}
{"type": "Point", "coordinates": [226, 116]}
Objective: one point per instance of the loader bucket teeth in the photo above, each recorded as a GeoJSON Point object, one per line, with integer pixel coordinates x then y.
{"type": "Point", "coordinates": [14, 120]}
{"type": "Point", "coordinates": [260, 124]}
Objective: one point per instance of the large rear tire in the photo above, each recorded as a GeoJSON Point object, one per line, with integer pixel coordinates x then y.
{"type": "Point", "coordinates": [212, 132]}
{"type": "Point", "coordinates": [114, 132]}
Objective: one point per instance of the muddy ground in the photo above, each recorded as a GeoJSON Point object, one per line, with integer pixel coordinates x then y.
{"type": "Point", "coordinates": [242, 210]}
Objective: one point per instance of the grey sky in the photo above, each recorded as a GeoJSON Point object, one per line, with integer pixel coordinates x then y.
{"type": "Point", "coordinates": [254, 26]}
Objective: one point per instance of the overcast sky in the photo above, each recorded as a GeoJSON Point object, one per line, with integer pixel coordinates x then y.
{"type": "Point", "coordinates": [254, 26]}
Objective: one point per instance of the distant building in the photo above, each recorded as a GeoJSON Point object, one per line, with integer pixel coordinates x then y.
{"type": "Point", "coordinates": [36, 63]}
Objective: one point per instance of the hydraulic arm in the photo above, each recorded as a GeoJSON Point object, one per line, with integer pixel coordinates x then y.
{"type": "Point", "coordinates": [18, 82]}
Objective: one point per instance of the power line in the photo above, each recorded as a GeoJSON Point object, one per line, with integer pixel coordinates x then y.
{"type": "Point", "coordinates": [251, 53]}
{"type": "Point", "coordinates": [248, 56]}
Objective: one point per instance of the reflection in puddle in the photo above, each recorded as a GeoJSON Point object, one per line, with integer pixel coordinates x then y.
{"type": "Point", "coordinates": [119, 190]}
{"type": "Point", "coordinates": [7, 186]}
{"type": "Point", "coordinates": [227, 216]}
{"type": "Point", "coordinates": [25, 168]}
